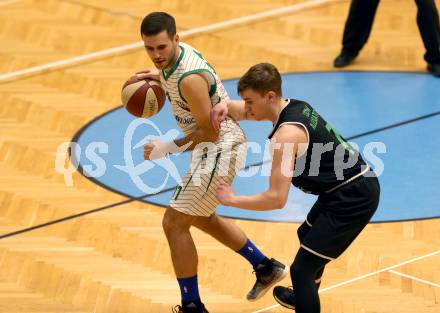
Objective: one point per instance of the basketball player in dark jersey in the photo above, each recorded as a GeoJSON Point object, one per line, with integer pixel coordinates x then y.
{"type": "Point", "coordinates": [321, 162]}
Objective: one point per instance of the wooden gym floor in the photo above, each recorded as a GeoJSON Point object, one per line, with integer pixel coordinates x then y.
{"type": "Point", "coordinates": [117, 260]}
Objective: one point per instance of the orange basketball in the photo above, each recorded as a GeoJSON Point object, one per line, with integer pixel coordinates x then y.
{"type": "Point", "coordinates": [142, 97]}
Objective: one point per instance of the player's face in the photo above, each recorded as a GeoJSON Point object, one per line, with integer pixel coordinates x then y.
{"type": "Point", "coordinates": [256, 105]}
{"type": "Point", "coordinates": [161, 49]}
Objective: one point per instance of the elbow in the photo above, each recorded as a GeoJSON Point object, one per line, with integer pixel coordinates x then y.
{"type": "Point", "coordinates": [211, 135]}
{"type": "Point", "coordinates": [278, 205]}
{"type": "Point", "coordinates": [279, 202]}
{"type": "Point", "coordinates": [215, 136]}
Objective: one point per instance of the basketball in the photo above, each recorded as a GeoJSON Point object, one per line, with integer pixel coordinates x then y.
{"type": "Point", "coordinates": [142, 97]}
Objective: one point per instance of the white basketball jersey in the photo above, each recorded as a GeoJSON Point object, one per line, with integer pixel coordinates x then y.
{"type": "Point", "coordinates": [190, 61]}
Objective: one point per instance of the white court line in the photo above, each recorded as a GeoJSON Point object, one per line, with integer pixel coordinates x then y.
{"type": "Point", "coordinates": [362, 277]}
{"type": "Point", "coordinates": [416, 279]}
{"type": "Point", "coordinates": [128, 47]}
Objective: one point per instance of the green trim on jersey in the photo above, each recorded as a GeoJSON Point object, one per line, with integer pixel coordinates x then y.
{"type": "Point", "coordinates": [177, 190]}
{"type": "Point", "coordinates": [213, 171]}
{"type": "Point", "coordinates": [201, 56]}
{"type": "Point", "coordinates": [167, 75]}
{"type": "Point", "coordinates": [190, 178]}
{"type": "Point", "coordinates": [213, 88]}
{"type": "Point", "coordinates": [338, 136]}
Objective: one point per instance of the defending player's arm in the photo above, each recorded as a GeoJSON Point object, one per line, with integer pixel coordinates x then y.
{"type": "Point", "coordinates": [194, 89]}
{"type": "Point", "coordinates": [236, 109]}
{"type": "Point", "coordinates": [287, 139]}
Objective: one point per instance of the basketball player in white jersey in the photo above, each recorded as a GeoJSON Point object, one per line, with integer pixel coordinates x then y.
{"type": "Point", "coordinates": [193, 88]}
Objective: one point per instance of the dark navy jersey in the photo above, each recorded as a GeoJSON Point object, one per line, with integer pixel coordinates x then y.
{"type": "Point", "coordinates": [329, 159]}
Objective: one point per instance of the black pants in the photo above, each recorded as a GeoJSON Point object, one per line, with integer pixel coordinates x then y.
{"type": "Point", "coordinates": [360, 21]}
{"type": "Point", "coordinates": [332, 224]}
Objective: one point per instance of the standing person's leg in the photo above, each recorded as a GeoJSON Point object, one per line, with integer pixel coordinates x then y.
{"type": "Point", "coordinates": [268, 271]}
{"type": "Point", "coordinates": [307, 269]}
{"type": "Point", "coordinates": [428, 22]}
{"type": "Point", "coordinates": [183, 254]}
{"type": "Point", "coordinates": [359, 24]}
{"type": "Point", "coordinates": [195, 196]}
{"type": "Point", "coordinates": [302, 232]}
{"type": "Point", "coordinates": [232, 158]}
{"type": "Point", "coordinates": [191, 204]}
{"type": "Point", "coordinates": [343, 215]}
{"type": "Point", "coordinates": [305, 228]}
{"type": "Point", "coordinates": [232, 237]}
{"type": "Point", "coordinates": [357, 30]}
{"type": "Point", "coordinates": [304, 269]}
{"type": "Point", "coordinates": [225, 231]}
{"type": "Point", "coordinates": [176, 226]}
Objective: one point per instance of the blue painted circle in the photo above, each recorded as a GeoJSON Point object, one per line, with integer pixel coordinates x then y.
{"type": "Point", "coordinates": [355, 103]}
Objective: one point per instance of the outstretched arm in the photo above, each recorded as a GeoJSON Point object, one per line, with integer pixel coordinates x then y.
{"type": "Point", "coordinates": [236, 109]}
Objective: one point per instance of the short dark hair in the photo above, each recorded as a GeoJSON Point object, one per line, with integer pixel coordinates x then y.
{"type": "Point", "coordinates": [156, 22]}
{"type": "Point", "coordinates": [262, 78]}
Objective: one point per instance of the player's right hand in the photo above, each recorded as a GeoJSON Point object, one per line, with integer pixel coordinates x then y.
{"type": "Point", "coordinates": [152, 73]}
{"type": "Point", "coordinates": [218, 114]}
{"type": "Point", "coordinates": [225, 194]}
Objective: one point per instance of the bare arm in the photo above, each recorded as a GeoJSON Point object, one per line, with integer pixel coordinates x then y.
{"type": "Point", "coordinates": [288, 137]}
{"type": "Point", "coordinates": [194, 89]}
{"type": "Point", "coordinates": [234, 108]}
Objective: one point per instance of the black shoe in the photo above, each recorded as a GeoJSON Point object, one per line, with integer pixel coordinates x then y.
{"type": "Point", "coordinates": [265, 280]}
{"type": "Point", "coordinates": [190, 308]}
{"type": "Point", "coordinates": [434, 69]}
{"type": "Point", "coordinates": [284, 296]}
{"type": "Point", "coordinates": [344, 58]}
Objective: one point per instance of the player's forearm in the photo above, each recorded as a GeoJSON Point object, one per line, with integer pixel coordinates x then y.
{"type": "Point", "coordinates": [264, 201]}
{"type": "Point", "coordinates": [236, 109]}
{"type": "Point", "coordinates": [198, 136]}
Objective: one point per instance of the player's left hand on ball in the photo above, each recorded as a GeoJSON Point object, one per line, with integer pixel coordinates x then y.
{"type": "Point", "coordinates": [155, 149]}
{"type": "Point", "coordinates": [151, 73]}
{"type": "Point", "coordinates": [225, 194]}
